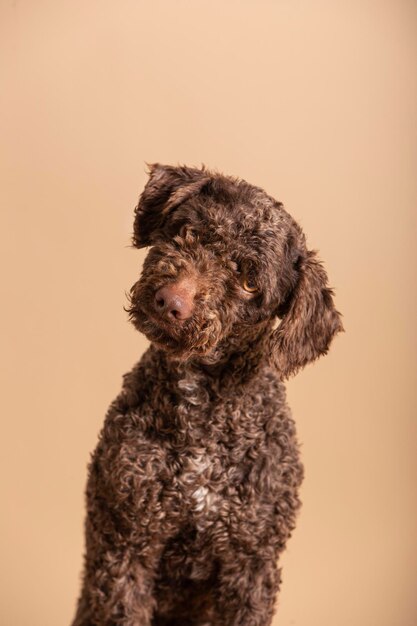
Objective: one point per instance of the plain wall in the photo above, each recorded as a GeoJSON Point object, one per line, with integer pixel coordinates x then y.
{"type": "Point", "coordinates": [317, 103]}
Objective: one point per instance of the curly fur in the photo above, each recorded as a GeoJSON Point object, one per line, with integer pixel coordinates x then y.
{"type": "Point", "coordinates": [193, 487]}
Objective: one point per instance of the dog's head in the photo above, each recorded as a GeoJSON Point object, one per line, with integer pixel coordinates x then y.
{"type": "Point", "coordinates": [226, 261]}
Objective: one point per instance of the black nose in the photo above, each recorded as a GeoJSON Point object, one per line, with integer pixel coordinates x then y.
{"type": "Point", "coordinates": [176, 300]}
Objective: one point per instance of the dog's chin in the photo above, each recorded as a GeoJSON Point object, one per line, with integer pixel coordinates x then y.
{"type": "Point", "coordinates": [157, 332]}
{"type": "Point", "coordinates": [174, 339]}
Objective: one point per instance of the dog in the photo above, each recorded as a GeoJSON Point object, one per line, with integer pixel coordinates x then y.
{"type": "Point", "coordinates": [193, 489]}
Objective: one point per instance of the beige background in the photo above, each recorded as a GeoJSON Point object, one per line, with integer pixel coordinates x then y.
{"type": "Point", "coordinates": [316, 102]}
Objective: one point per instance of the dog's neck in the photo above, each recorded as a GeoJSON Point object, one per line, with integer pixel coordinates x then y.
{"type": "Point", "coordinates": [234, 362]}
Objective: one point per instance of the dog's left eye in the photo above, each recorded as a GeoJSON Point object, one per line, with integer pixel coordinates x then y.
{"type": "Point", "coordinates": [249, 283]}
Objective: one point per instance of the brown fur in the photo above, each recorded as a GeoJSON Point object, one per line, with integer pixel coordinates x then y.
{"type": "Point", "coordinates": [193, 487]}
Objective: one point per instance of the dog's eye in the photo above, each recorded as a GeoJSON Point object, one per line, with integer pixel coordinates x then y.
{"type": "Point", "coordinates": [183, 230]}
{"type": "Point", "coordinates": [249, 283]}
{"type": "Point", "coordinates": [186, 229]}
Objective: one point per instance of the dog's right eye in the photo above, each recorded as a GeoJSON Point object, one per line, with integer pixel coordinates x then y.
{"type": "Point", "coordinates": [186, 230]}
{"type": "Point", "coordinates": [183, 230]}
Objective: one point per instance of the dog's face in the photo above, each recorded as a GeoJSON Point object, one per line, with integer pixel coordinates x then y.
{"type": "Point", "coordinates": [226, 260]}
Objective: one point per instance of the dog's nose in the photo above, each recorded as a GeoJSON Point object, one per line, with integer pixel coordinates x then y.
{"type": "Point", "coordinates": [176, 300]}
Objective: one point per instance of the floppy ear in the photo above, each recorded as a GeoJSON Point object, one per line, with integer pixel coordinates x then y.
{"type": "Point", "coordinates": [309, 318]}
{"type": "Point", "coordinates": [166, 188]}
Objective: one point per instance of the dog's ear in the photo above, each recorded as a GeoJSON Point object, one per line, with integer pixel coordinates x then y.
{"type": "Point", "coordinates": [166, 188]}
{"type": "Point", "coordinates": [309, 317]}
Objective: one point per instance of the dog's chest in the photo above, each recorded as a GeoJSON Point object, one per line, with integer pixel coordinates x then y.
{"type": "Point", "coordinates": [198, 462]}
{"type": "Point", "coordinates": [195, 484]}
{"type": "Point", "coordinates": [198, 451]}
{"type": "Point", "coordinates": [218, 442]}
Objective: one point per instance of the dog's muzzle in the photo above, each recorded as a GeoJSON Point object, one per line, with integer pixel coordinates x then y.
{"type": "Point", "coordinates": [174, 302]}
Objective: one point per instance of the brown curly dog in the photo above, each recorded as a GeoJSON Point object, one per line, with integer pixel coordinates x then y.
{"type": "Point", "coordinates": [193, 487]}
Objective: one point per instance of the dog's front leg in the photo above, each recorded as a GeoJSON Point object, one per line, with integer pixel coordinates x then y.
{"type": "Point", "coordinates": [116, 595]}
{"type": "Point", "coordinates": [126, 531]}
{"type": "Point", "coordinates": [246, 592]}
{"type": "Point", "coordinates": [118, 583]}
